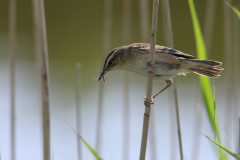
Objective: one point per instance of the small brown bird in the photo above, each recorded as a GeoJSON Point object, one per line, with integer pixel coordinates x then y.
{"type": "Point", "coordinates": [168, 63]}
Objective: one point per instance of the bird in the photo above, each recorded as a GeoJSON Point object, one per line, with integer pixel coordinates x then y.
{"type": "Point", "coordinates": [168, 63]}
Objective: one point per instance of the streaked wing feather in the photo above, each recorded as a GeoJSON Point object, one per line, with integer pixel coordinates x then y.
{"type": "Point", "coordinates": [161, 49]}
{"type": "Point", "coordinates": [166, 64]}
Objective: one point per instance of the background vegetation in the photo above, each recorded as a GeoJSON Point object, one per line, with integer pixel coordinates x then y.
{"type": "Point", "coordinates": [75, 34]}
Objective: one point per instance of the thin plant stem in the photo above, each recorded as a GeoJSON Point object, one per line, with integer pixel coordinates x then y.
{"type": "Point", "coordinates": [152, 136]}
{"type": "Point", "coordinates": [144, 20]}
{"type": "Point", "coordinates": [236, 49]}
{"type": "Point", "coordinates": [215, 128]}
{"type": "Point", "coordinates": [208, 27]}
{"type": "Point", "coordinates": [164, 16]}
{"type": "Point", "coordinates": [78, 108]}
{"type": "Point", "coordinates": [106, 45]}
{"type": "Point", "coordinates": [239, 137]}
{"type": "Point", "coordinates": [12, 55]}
{"type": "Point", "coordinates": [149, 81]}
{"type": "Point", "coordinates": [228, 67]}
{"type": "Point", "coordinates": [170, 90]}
{"type": "Point", "coordinates": [41, 46]}
{"type": "Point", "coordinates": [174, 82]}
{"type": "Point", "coordinates": [126, 115]}
{"type": "Point", "coordinates": [198, 124]}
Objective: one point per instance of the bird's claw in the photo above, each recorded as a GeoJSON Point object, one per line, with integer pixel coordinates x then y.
{"type": "Point", "coordinates": [147, 103]}
{"type": "Point", "coordinates": [150, 65]}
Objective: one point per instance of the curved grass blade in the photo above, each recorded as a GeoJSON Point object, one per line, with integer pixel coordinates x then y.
{"type": "Point", "coordinates": [227, 150]}
{"type": "Point", "coordinates": [233, 8]}
{"type": "Point", "coordinates": [204, 81]}
{"type": "Point", "coordinates": [84, 142]}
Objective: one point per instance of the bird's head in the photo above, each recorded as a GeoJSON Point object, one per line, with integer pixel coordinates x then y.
{"type": "Point", "coordinates": [114, 61]}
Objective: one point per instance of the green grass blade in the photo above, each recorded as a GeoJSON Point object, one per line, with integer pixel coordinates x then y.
{"type": "Point", "coordinates": [90, 149]}
{"type": "Point", "coordinates": [204, 81]}
{"type": "Point", "coordinates": [227, 150]}
{"type": "Point", "coordinates": [84, 142]}
{"type": "Point", "coordinates": [234, 9]}
{"type": "Point", "coordinates": [219, 145]}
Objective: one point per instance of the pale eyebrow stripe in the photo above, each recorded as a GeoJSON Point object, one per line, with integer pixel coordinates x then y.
{"type": "Point", "coordinates": [110, 55]}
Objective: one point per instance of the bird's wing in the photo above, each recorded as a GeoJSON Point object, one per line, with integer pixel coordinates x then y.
{"type": "Point", "coordinates": [161, 50]}
{"type": "Point", "coordinates": [165, 64]}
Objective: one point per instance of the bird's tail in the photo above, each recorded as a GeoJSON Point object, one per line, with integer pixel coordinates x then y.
{"type": "Point", "coordinates": [207, 68]}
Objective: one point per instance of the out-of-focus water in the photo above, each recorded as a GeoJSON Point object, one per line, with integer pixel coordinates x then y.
{"type": "Point", "coordinates": [63, 140]}
{"type": "Point", "coordinates": [75, 34]}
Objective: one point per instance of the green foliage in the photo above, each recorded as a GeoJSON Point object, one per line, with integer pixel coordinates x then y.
{"type": "Point", "coordinates": [204, 81]}
{"type": "Point", "coordinates": [234, 9]}
{"type": "Point", "coordinates": [227, 150]}
{"type": "Point", "coordinates": [84, 142]}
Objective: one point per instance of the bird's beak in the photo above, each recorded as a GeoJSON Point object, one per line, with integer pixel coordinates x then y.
{"type": "Point", "coordinates": [103, 73]}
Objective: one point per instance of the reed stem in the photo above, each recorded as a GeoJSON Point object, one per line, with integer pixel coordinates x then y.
{"type": "Point", "coordinates": [12, 56]}
{"type": "Point", "coordinates": [174, 82]}
{"type": "Point", "coordinates": [236, 66]}
{"type": "Point", "coordinates": [144, 20]}
{"type": "Point", "coordinates": [149, 81]}
{"type": "Point", "coordinates": [106, 45]}
{"type": "Point", "coordinates": [42, 55]}
{"type": "Point", "coordinates": [78, 108]}
{"type": "Point", "coordinates": [126, 114]}
{"type": "Point", "coordinates": [208, 26]}
{"type": "Point", "coordinates": [239, 137]}
{"type": "Point", "coordinates": [228, 79]}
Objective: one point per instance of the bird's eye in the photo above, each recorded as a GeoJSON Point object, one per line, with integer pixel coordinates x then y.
{"type": "Point", "coordinates": [110, 63]}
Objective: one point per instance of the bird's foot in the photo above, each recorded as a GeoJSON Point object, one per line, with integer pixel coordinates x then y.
{"type": "Point", "coordinates": [150, 65]}
{"type": "Point", "coordinates": [147, 103]}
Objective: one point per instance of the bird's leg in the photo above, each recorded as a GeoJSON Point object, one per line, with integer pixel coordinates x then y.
{"type": "Point", "coordinates": [169, 83]}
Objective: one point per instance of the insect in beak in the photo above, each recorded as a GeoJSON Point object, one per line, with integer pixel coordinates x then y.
{"type": "Point", "coordinates": [101, 77]}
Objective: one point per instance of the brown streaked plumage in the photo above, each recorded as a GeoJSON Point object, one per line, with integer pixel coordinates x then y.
{"type": "Point", "coordinates": [168, 63]}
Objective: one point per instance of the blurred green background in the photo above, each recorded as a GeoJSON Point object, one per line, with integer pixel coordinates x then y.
{"type": "Point", "coordinates": [75, 34]}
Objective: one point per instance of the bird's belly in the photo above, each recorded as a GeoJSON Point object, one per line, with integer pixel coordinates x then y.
{"type": "Point", "coordinates": [159, 73]}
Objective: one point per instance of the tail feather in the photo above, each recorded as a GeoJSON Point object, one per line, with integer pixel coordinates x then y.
{"type": "Point", "coordinates": [208, 62]}
{"type": "Point", "coordinates": [206, 72]}
{"type": "Point", "coordinates": [207, 68]}
{"type": "Point", "coordinates": [219, 69]}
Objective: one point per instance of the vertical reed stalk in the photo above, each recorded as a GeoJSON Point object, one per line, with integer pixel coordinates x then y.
{"type": "Point", "coordinates": [152, 136]}
{"type": "Point", "coordinates": [12, 56]}
{"type": "Point", "coordinates": [144, 19]}
{"type": "Point", "coordinates": [208, 27]}
{"type": "Point", "coordinates": [41, 46]}
{"type": "Point", "coordinates": [236, 92]}
{"type": "Point", "coordinates": [198, 124]}
{"type": "Point", "coordinates": [239, 137]}
{"type": "Point", "coordinates": [171, 89]}
{"type": "Point", "coordinates": [126, 115]}
{"type": "Point", "coordinates": [174, 81]}
{"type": "Point", "coordinates": [149, 81]}
{"type": "Point", "coordinates": [106, 45]}
{"type": "Point", "coordinates": [78, 108]}
{"type": "Point", "coordinates": [228, 68]}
